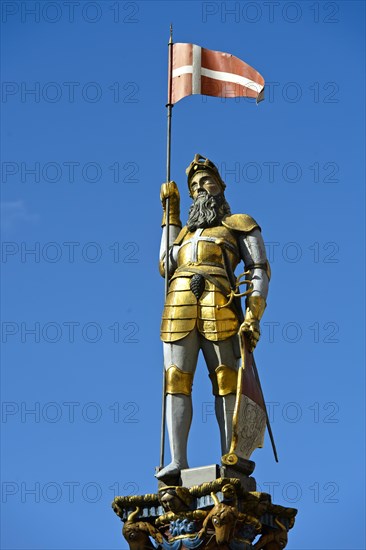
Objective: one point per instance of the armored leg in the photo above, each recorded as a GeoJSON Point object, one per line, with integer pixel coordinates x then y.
{"type": "Point", "coordinates": [222, 362]}
{"type": "Point", "coordinates": [180, 360]}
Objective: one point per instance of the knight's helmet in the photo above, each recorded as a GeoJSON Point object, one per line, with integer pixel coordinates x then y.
{"type": "Point", "coordinates": [203, 164]}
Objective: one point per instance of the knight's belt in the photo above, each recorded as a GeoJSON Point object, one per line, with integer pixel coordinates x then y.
{"type": "Point", "coordinates": [215, 271]}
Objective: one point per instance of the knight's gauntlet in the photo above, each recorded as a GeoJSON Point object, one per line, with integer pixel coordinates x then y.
{"type": "Point", "coordinates": [170, 191]}
{"type": "Point", "coordinates": [253, 314]}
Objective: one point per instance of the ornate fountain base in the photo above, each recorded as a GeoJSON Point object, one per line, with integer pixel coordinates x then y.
{"type": "Point", "coordinates": [220, 513]}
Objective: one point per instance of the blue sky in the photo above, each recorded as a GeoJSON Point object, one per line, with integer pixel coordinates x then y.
{"type": "Point", "coordinates": [83, 157]}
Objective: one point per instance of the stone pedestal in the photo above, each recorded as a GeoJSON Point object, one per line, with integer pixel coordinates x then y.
{"type": "Point", "coordinates": [204, 474]}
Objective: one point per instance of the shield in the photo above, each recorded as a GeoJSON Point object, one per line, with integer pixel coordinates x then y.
{"type": "Point", "coordinates": [249, 419]}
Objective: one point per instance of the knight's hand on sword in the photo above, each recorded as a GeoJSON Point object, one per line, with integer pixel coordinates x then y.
{"type": "Point", "coordinates": [252, 331]}
{"type": "Point", "coordinates": [253, 314]}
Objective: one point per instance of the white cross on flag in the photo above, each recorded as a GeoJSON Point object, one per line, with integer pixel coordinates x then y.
{"type": "Point", "coordinates": [196, 70]}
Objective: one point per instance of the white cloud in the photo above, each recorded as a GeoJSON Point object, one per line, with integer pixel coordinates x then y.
{"type": "Point", "coordinates": [15, 213]}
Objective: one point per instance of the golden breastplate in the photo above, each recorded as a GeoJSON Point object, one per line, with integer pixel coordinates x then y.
{"type": "Point", "coordinates": [204, 248]}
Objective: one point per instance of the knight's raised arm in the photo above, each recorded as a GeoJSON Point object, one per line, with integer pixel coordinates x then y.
{"type": "Point", "coordinates": [169, 190]}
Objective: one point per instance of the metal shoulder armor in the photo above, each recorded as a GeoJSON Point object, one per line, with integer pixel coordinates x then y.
{"type": "Point", "coordinates": [240, 222]}
{"type": "Point", "coordinates": [183, 232]}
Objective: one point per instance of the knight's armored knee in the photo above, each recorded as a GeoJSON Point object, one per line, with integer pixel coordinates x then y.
{"type": "Point", "coordinates": [177, 381]}
{"type": "Point", "coordinates": [224, 380]}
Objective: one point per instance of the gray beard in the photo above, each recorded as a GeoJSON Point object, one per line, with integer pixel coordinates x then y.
{"type": "Point", "coordinates": [207, 211]}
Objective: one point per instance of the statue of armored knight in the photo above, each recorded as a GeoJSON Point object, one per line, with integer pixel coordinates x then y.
{"type": "Point", "coordinates": [202, 310]}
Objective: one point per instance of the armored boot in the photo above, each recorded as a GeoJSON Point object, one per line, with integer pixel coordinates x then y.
{"type": "Point", "coordinates": [179, 418]}
{"type": "Point", "coordinates": [224, 409]}
{"type": "Point", "coordinates": [224, 382]}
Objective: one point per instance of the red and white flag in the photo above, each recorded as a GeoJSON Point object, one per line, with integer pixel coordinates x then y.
{"type": "Point", "coordinates": [196, 70]}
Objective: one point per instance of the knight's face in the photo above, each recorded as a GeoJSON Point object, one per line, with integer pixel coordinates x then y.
{"type": "Point", "coordinates": [204, 181]}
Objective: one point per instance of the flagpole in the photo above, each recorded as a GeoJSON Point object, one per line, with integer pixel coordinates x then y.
{"type": "Point", "coordinates": [169, 107]}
